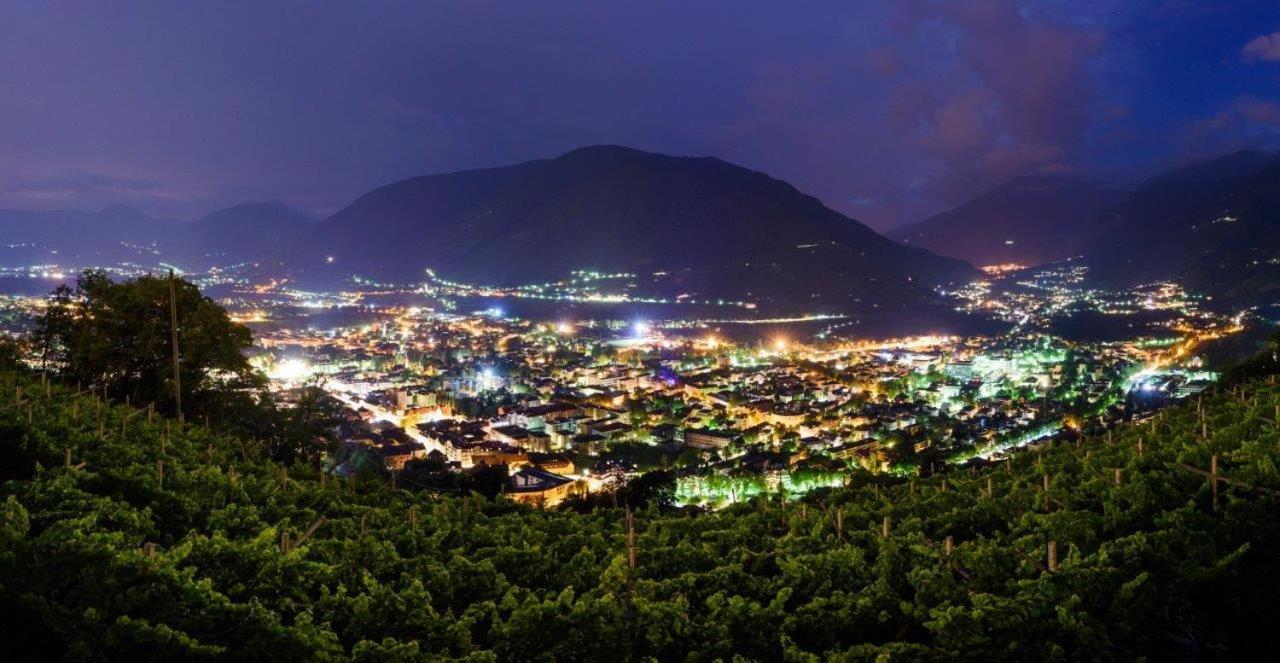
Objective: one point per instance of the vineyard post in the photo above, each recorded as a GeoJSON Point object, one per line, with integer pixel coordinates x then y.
{"type": "Point", "coordinates": [173, 327]}
{"type": "Point", "coordinates": [1213, 479]}
{"type": "Point", "coordinates": [160, 473]}
{"type": "Point", "coordinates": [884, 527]}
{"type": "Point", "coordinates": [1053, 556]}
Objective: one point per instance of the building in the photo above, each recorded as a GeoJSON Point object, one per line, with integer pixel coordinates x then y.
{"type": "Point", "coordinates": [706, 438]}
{"type": "Point", "coordinates": [538, 487]}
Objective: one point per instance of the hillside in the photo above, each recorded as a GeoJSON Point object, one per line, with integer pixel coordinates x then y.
{"type": "Point", "coordinates": [70, 238]}
{"type": "Point", "coordinates": [1212, 224]}
{"type": "Point", "coordinates": [245, 232]}
{"type": "Point", "coordinates": [122, 537]}
{"type": "Point", "coordinates": [714, 228]}
{"type": "Point", "coordinates": [1027, 220]}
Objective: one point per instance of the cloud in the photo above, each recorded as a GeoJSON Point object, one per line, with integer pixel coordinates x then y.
{"type": "Point", "coordinates": [1019, 100]}
{"type": "Point", "coordinates": [1264, 48]}
{"type": "Point", "coordinates": [1259, 111]}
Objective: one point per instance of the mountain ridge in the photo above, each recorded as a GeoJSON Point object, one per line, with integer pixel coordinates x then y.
{"type": "Point", "coordinates": [1027, 220]}
{"type": "Point", "coordinates": [712, 224]}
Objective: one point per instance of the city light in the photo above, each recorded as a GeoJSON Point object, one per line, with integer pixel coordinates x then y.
{"type": "Point", "coordinates": [290, 370]}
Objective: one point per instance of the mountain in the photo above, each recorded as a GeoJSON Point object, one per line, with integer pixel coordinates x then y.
{"type": "Point", "coordinates": [715, 229]}
{"type": "Point", "coordinates": [1027, 220]}
{"type": "Point", "coordinates": [76, 238]}
{"type": "Point", "coordinates": [72, 238]}
{"type": "Point", "coordinates": [245, 232]}
{"type": "Point", "coordinates": [1215, 225]}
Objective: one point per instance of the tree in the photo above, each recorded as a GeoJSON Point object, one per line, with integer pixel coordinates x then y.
{"type": "Point", "coordinates": [117, 337]}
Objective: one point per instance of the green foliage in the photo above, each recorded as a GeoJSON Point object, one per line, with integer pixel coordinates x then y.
{"type": "Point", "coordinates": [1147, 568]}
{"type": "Point", "coordinates": [116, 338]}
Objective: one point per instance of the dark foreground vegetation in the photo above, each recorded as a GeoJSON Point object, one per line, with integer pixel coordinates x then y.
{"type": "Point", "coordinates": [124, 535]}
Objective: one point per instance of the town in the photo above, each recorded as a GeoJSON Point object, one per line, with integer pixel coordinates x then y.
{"type": "Point", "coordinates": [570, 407]}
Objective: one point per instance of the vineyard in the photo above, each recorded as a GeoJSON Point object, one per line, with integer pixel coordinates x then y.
{"type": "Point", "coordinates": [123, 534]}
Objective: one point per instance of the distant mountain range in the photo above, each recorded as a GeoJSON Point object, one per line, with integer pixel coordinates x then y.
{"type": "Point", "coordinates": [247, 232]}
{"type": "Point", "coordinates": [1027, 220]}
{"type": "Point", "coordinates": [715, 230]}
{"type": "Point", "coordinates": [1215, 225]}
{"type": "Point", "coordinates": [709, 229]}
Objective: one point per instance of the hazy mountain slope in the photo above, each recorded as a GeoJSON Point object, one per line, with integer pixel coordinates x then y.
{"type": "Point", "coordinates": [245, 232]}
{"type": "Point", "coordinates": [1027, 220]}
{"type": "Point", "coordinates": [715, 227]}
{"type": "Point", "coordinates": [1215, 224]}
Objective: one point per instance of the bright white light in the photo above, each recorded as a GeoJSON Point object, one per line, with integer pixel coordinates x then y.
{"type": "Point", "coordinates": [290, 370]}
{"type": "Point", "coordinates": [564, 329]}
{"type": "Point", "coordinates": [489, 373]}
{"type": "Point", "coordinates": [641, 328]}
{"type": "Point", "coordinates": [329, 259]}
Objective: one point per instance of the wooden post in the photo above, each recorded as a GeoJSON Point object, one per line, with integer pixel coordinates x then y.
{"type": "Point", "coordinates": [948, 544]}
{"type": "Point", "coordinates": [67, 457]}
{"type": "Point", "coordinates": [160, 473]}
{"type": "Point", "coordinates": [840, 524]}
{"type": "Point", "coordinates": [284, 543]}
{"type": "Point", "coordinates": [944, 485]}
{"type": "Point", "coordinates": [413, 517]}
{"type": "Point", "coordinates": [1053, 556]}
{"type": "Point", "coordinates": [148, 549]}
{"type": "Point", "coordinates": [884, 527]}
{"type": "Point", "coordinates": [1117, 476]}
{"type": "Point", "coordinates": [991, 487]}
{"type": "Point", "coordinates": [1046, 493]}
{"type": "Point", "coordinates": [1139, 446]}
{"type": "Point", "coordinates": [1204, 430]}
{"type": "Point", "coordinates": [631, 541]}
{"type": "Point", "coordinates": [364, 525]}
{"type": "Point", "coordinates": [310, 531]}
{"type": "Point", "coordinates": [173, 326]}
{"type": "Point", "coordinates": [1213, 479]}
{"type": "Point", "coordinates": [1008, 466]}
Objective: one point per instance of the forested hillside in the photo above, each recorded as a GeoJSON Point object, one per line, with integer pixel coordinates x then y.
{"type": "Point", "coordinates": [123, 534]}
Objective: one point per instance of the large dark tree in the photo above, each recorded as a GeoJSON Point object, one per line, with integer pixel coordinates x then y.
{"type": "Point", "coordinates": [116, 337]}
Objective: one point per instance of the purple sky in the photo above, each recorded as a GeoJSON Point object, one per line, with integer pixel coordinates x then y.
{"type": "Point", "coordinates": [887, 111]}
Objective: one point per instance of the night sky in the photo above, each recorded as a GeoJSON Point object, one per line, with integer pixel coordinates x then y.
{"type": "Point", "coordinates": [888, 111]}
